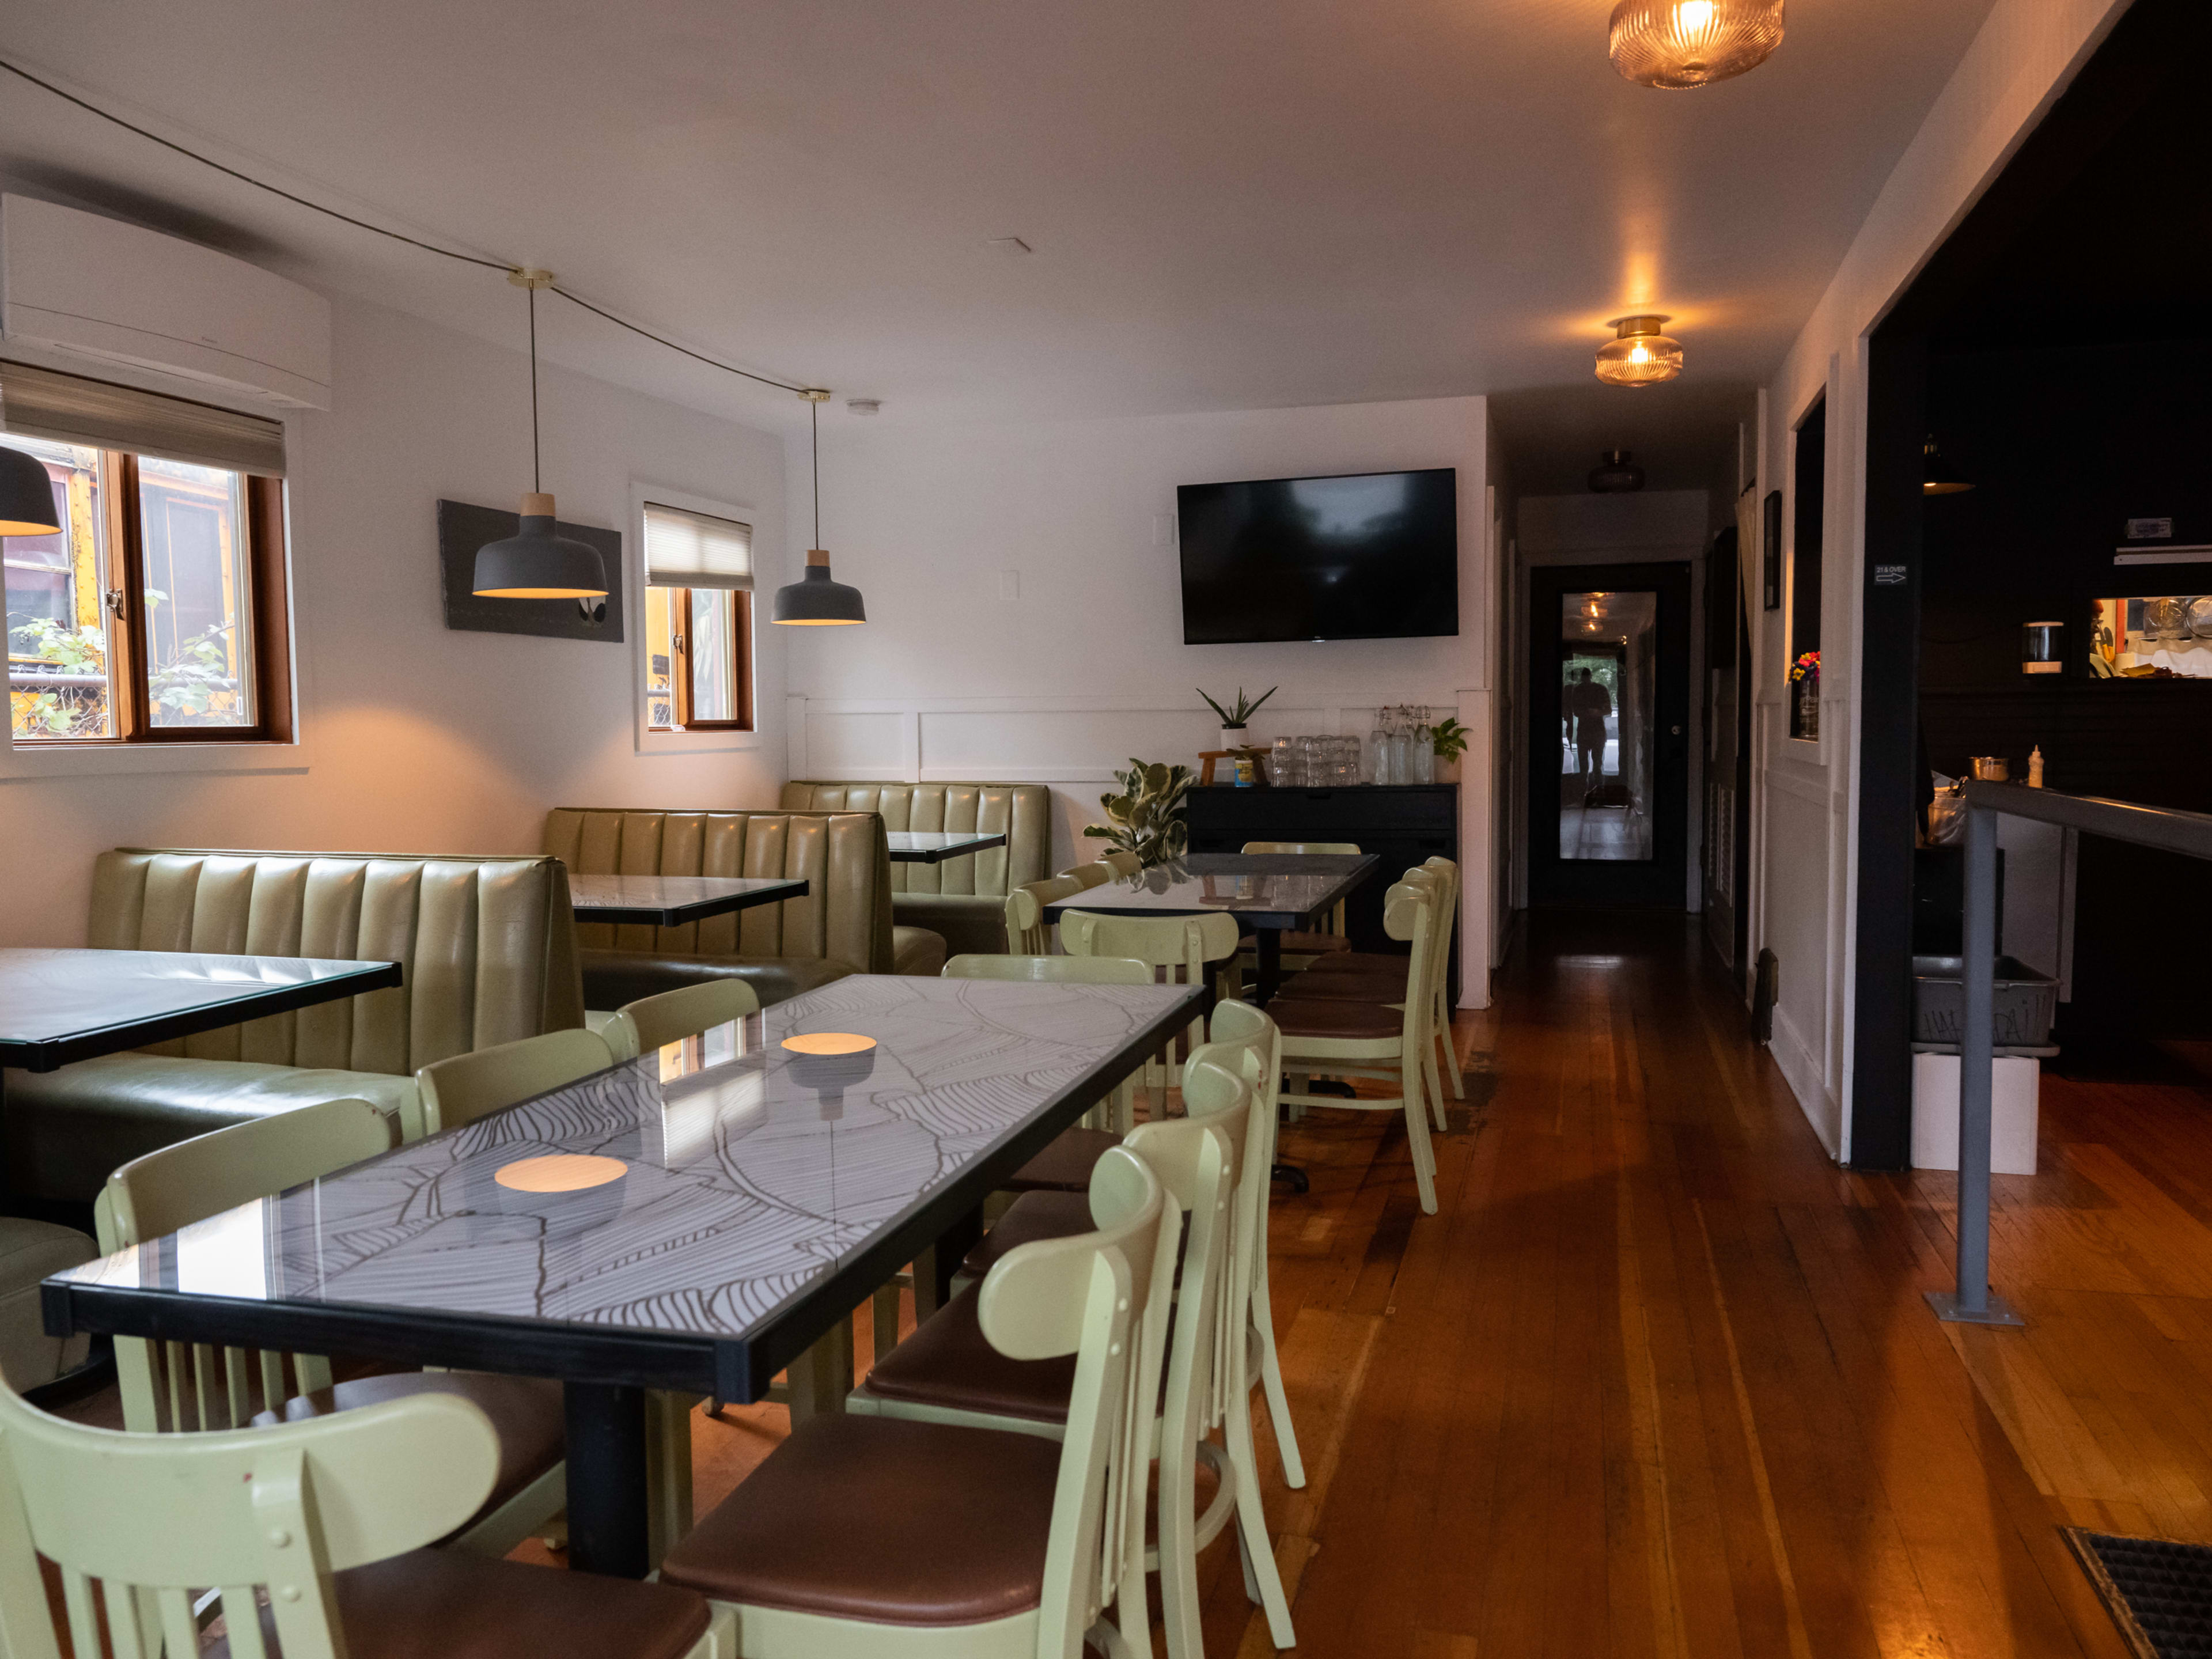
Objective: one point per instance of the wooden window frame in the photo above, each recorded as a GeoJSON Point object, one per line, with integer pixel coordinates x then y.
{"type": "Point", "coordinates": [130, 695]}
{"type": "Point", "coordinates": [679, 663]}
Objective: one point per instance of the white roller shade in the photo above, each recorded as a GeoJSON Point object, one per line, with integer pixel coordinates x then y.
{"type": "Point", "coordinates": [41, 403]}
{"type": "Point", "coordinates": [692, 549]}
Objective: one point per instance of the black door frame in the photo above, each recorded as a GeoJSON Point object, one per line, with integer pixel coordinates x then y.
{"type": "Point", "coordinates": [1661, 882]}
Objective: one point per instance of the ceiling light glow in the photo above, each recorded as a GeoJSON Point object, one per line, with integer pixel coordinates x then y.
{"type": "Point", "coordinates": [1639, 355]}
{"type": "Point", "coordinates": [1679, 43]}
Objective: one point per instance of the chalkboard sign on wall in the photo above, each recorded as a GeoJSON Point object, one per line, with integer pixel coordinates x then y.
{"type": "Point", "coordinates": [462, 529]}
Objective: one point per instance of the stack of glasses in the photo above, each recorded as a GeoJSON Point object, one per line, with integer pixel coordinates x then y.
{"type": "Point", "coordinates": [1313, 763]}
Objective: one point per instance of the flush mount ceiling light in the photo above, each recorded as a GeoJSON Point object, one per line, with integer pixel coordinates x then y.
{"type": "Point", "coordinates": [1616, 474]}
{"type": "Point", "coordinates": [1677, 44]}
{"type": "Point", "coordinates": [1937, 476]}
{"type": "Point", "coordinates": [27, 495]}
{"type": "Point", "coordinates": [1639, 355]}
{"type": "Point", "coordinates": [816, 601]}
{"type": "Point", "coordinates": [538, 561]}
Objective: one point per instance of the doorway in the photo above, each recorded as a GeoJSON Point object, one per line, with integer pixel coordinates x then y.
{"type": "Point", "coordinates": [1608, 749]}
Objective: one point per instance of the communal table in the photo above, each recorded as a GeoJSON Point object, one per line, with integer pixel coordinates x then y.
{"type": "Point", "coordinates": [60, 1006]}
{"type": "Point", "coordinates": [934, 847]}
{"type": "Point", "coordinates": [1271, 893]}
{"type": "Point", "coordinates": [695, 1232]}
{"type": "Point", "coordinates": [671, 901]}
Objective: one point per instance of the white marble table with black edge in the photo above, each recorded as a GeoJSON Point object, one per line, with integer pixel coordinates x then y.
{"type": "Point", "coordinates": [699, 1233]}
{"type": "Point", "coordinates": [58, 1007]}
{"type": "Point", "coordinates": [671, 901]}
{"type": "Point", "coordinates": [934, 846]}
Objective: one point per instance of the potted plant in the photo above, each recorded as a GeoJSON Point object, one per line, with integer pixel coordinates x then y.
{"type": "Point", "coordinates": [1447, 737]}
{"type": "Point", "coordinates": [1146, 818]}
{"type": "Point", "coordinates": [1235, 718]}
{"type": "Point", "coordinates": [1805, 675]}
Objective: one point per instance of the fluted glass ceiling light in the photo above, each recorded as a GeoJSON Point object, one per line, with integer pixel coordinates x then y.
{"type": "Point", "coordinates": [27, 495]}
{"type": "Point", "coordinates": [1678, 44]}
{"type": "Point", "coordinates": [538, 561]}
{"type": "Point", "coordinates": [816, 601]}
{"type": "Point", "coordinates": [1639, 354]}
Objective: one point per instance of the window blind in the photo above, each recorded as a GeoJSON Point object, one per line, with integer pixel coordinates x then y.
{"type": "Point", "coordinates": [692, 549]}
{"type": "Point", "coordinates": [42, 402]}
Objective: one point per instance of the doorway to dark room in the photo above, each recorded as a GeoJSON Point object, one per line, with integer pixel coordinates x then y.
{"type": "Point", "coordinates": [1608, 743]}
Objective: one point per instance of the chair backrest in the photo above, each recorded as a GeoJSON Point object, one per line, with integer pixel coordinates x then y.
{"type": "Point", "coordinates": [1026, 932]}
{"type": "Point", "coordinates": [137, 1523]}
{"type": "Point", "coordinates": [846, 916]}
{"type": "Point", "coordinates": [1344, 848]}
{"type": "Point", "coordinates": [654, 1022]}
{"type": "Point", "coordinates": [469, 1086]}
{"type": "Point", "coordinates": [177, 1386]}
{"type": "Point", "coordinates": [1122, 864]}
{"type": "Point", "coordinates": [1052, 970]}
{"type": "Point", "coordinates": [1022, 812]}
{"type": "Point", "coordinates": [1087, 1295]}
{"type": "Point", "coordinates": [488, 946]}
{"type": "Point", "coordinates": [1254, 1062]}
{"type": "Point", "coordinates": [1409, 913]}
{"type": "Point", "coordinates": [1096, 873]}
{"type": "Point", "coordinates": [1187, 943]}
{"type": "Point", "coordinates": [1447, 914]}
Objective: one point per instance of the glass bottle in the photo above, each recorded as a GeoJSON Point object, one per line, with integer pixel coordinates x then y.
{"type": "Point", "coordinates": [1378, 747]}
{"type": "Point", "coordinates": [1424, 756]}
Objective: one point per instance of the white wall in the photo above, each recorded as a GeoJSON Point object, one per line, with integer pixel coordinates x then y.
{"type": "Point", "coordinates": [1086, 667]}
{"type": "Point", "coordinates": [413, 739]}
{"type": "Point", "coordinates": [1806, 793]}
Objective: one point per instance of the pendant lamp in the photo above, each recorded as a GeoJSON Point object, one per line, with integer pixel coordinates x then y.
{"type": "Point", "coordinates": [538, 561]}
{"type": "Point", "coordinates": [27, 495]}
{"type": "Point", "coordinates": [816, 601]}
{"type": "Point", "coordinates": [1638, 354]}
{"type": "Point", "coordinates": [1937, 476]}
{"type": "Point", "coordinates": [1678, 44]}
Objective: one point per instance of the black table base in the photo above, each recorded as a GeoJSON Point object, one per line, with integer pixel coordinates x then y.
{"type": "Point", "coordinates": [607, 1525]}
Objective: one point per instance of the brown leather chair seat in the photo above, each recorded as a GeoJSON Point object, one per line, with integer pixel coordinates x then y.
{"type": "Point", "coordinates": [948, 1361]}
{"type": "Point", "coordinates": [1041, 1213]}
{"type": "Point", "coordinates": [1297, 943]}
{"type": "Point", "coordinates": [1362, 962]}
{"type": "Point", "coordinates": [1064, 1166]}
{"type": "Point", "coordinates": [528, 1412]}
{"type": "Point", "coordinates": [1345, 988]}
{"type": "Point", "coordinates": [872, 1518]}
{"type": "Point", "coordinates": [1356, 1021]}
{"type": "Point", "coordinates": [439, 1604]}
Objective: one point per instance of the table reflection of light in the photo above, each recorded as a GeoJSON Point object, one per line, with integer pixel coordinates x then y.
{"type": "Point", "coordinates": [828, 1043]}
{"type": "Point", "coordinates": [689, 1123]}
{"type": "Point", "coordinates": [559, 1172]}
{"type": "Point", "coordinates": [718, 1045]}
{"type": "Point", "coordinates": [225, 1255]}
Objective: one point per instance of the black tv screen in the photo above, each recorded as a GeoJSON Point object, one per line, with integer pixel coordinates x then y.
{"type": "Point", "coordinates": [1369, 556]}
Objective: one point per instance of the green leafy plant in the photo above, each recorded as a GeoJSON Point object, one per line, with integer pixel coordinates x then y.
{"type": "Point", "coordinates": [1146, 818]}
{"type": "Point", "coordinates": [1243, 710]}
{"type": "Point", "coordinates": [1448, 738]}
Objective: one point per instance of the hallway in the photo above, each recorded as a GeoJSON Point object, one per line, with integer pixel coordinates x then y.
{"type": "Point", "coordinates": [1658, 1379]}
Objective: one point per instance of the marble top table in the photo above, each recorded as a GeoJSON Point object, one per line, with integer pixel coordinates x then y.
{"type": "Point", "coordinates": [693, 1233]}
{"type": "Point", "coordinates": [934, 846]}
{"type": "Point", "coordinates": [671, 901]}
{"type": "Point", "coordinates": [60, 1006]}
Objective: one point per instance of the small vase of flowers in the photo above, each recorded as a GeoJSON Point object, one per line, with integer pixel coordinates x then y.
{"type": "Point", "coordinates": [1805, 675]}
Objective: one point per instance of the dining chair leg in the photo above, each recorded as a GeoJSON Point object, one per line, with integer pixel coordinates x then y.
{"type": "Point", "coordinates": [822, 1375]}
{"type": "Point", "coordinates": [667, 1469]}
{"type": "Point", "coordinates": [1262, 1583]}
{"type": "Point", "coordinates": [1450, 1048]}
{"type": "Point", "coordinates": [1271, 1378]}
{"type": "Point", "coordinates": [883, 1318]}
{"type": "Point", "coordinates": [1178, 1554]}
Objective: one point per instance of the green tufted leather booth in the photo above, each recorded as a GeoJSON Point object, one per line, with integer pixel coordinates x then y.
{"type": "Point", "coordinates": [488, 944]}
{"type": "Point", "coordinates": [963, 900]}
{"type": "Point", "coordinates": [843, 926]}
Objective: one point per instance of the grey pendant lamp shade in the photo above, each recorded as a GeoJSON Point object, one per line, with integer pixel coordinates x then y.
{"type": "Point", "coordinates": [538, 561]}
{"type": "Point", "coordinates": [814, 600]}
{"type": "Point", "coordinates": [27, 495]}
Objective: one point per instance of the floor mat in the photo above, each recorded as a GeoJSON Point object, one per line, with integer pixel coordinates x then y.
{"type": "Point", "coordinates": [2159, 1593]}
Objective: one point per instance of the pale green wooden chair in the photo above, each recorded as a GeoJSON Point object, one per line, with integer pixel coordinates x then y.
{"type": "Point", "coordinates": [816, 1554]}
{"type": "Point", "coordinates": [1183, 947]}
{"type": "Point", "coordinates": [678, 1016]}
{"type": "Point", "coordinates": [1363, 977]}
{"type": "Point", "coordinates": [467, 1087]}
{"type": "Point", "coordinates": [1026, 932]}
{"type": "Point", "coordinates": [309, 1533]}
{"type": "Point", "coordinates": [1117, 1114]}
{"type": "Point", "coordinates": [1301, 948]}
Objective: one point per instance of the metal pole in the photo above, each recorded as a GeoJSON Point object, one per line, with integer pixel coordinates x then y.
{"type": "Point", "coordinates": [1973, 1302]}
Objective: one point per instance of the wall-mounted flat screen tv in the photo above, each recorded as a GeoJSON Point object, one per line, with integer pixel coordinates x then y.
{"type": "Point", "coordinates": [1369, 556]}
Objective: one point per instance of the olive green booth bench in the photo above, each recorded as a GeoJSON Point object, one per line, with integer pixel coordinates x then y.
{"type": "Point", "coordinates": [963, 900]}
{"type": "Point", "coordinates": [488, 947]}
{"type": "Point", "coordinates": [843, 926]}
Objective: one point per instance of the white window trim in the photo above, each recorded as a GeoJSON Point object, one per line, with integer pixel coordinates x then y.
{"type": "Point", "coordinates": [649, 741]}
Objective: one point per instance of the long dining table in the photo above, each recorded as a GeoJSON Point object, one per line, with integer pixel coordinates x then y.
{"type": "Point", "coordinates": [686, 1224]}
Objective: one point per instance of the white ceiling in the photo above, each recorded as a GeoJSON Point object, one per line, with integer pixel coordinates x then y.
{"type": "Point", "coordinates": [1235, 203]}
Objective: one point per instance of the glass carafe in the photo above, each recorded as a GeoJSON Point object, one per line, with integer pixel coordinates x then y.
{"type": "Point", "coordinates": [1422, 741]}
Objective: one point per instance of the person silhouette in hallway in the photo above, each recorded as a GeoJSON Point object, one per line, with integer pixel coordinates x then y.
{"type": "Point", "coordinates": [1589, 706]}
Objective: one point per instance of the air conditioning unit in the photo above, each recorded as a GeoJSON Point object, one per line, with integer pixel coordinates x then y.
{"type": "Point", "coordinates": [77, 282]}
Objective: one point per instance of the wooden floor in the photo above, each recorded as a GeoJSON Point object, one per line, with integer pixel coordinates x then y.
{"type": "Point", "coordinates": [1658, 1379]}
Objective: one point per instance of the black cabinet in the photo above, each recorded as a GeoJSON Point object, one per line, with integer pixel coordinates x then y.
{"type": "Point", "coordinates": [1401, 826]}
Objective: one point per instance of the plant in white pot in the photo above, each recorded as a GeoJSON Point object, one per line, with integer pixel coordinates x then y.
{"type": "Point", "coordinates": [1448, 738]}
{"type": "Point", "coordinates": [1237, 716]}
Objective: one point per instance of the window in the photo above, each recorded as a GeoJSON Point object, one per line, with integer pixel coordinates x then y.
{"type": "Point", "coordinates": [698, 622]}
{"type": "Point", "coordinates": [156, 612]}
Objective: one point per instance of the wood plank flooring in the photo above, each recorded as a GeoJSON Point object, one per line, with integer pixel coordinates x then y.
{"type": "Point", "coordinates": [1657, 1380]}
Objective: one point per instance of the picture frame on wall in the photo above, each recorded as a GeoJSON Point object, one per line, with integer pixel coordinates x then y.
{"type": "Point", "coordinates": [1770, 565]}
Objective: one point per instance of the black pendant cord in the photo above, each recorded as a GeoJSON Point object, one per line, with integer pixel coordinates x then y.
{"type": "Point", "coordinates": [536, 485]}
{"type": "Point", "coordinates": [814, 430]}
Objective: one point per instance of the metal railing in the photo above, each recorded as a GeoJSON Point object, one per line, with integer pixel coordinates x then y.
{"type": "Point", "coordinates": [1973, 1301]}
